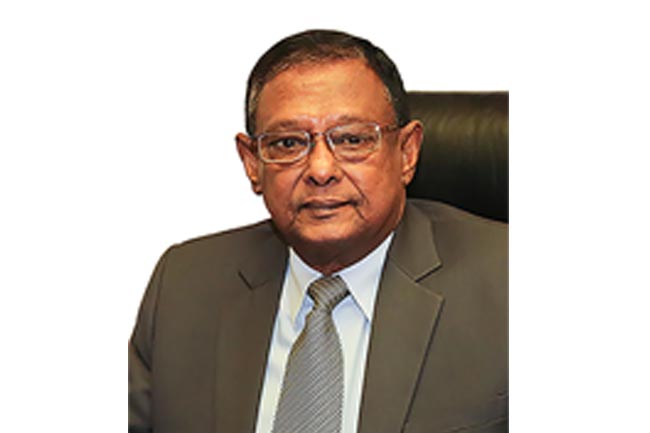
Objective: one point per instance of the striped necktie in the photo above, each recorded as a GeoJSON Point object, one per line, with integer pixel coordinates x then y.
{"type": "Point", "coordinates": [311, 400]}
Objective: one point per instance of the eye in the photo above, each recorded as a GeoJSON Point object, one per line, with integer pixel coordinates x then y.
{"type": "Point", "coordinates": [352, 139]}
{"type": "Point", "coordinates": [349, 139]}
{"type": "Point", "coordinates": [288, 142]}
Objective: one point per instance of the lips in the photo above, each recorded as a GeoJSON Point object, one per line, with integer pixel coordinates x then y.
{"type": "Point", "coordinates": [324, 204]}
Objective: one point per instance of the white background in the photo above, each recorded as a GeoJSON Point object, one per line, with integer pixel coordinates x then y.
{"type": "Point", "coordinates": [116, 130]}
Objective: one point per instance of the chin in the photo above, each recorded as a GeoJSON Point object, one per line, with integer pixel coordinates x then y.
{"type": "Point", "coordinates": [326, 235]}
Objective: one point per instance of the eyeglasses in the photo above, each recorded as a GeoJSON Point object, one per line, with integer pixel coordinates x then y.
{"type": "Point", "coordinates": [352, 142]}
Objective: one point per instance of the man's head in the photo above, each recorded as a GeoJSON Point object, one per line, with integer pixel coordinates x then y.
{"type": "Point", "coordinates": [331, 147]}
{"type": "Point", "coordinates": [318, 47]}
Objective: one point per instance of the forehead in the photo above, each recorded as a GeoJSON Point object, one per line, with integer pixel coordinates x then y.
{"type": "Point", "coordinates": [318, 95]}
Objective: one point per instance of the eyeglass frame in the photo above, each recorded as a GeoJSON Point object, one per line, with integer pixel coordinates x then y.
{"type": "Point", "coordinates": [312, 141]}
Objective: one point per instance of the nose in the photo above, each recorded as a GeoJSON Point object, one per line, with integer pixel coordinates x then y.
{"type": "Point", "coordinates": [322, 167]}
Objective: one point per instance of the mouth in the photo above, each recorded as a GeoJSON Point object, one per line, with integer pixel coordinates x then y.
{"type": "Point", "coordinates": [324, 207]}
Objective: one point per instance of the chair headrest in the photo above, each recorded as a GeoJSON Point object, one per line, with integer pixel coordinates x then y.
{"type": "Point", "coordinates": [464, 157]}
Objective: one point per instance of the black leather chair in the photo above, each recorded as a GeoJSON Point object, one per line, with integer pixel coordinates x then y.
{"type": "Point", "coordinates": [464, 157]}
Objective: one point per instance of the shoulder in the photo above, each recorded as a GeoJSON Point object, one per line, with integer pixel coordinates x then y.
{"type": "Point", "coordinates": [224, 248]}
{"type": "Point", "coordinates": [451, 224]}
{"type": "Point", "coordinates": [443, 213]}
{"type": "Point", "coordinates": [464, 239]}
{"type": "Point", "coordinates": [213, 267]}
{"type": "Point", "coordinates": [235, 236]}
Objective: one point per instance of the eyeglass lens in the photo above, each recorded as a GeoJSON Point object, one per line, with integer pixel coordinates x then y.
{"type": "Point", "coordinates": [348, 142]}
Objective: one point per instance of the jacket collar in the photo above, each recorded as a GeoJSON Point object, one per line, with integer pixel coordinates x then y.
{"type": "Point", "coordinates": [267, 259]}
{"type": "Point", "coordinates": [413, 249]}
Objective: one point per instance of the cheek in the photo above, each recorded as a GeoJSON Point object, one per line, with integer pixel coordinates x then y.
{"type": "Point", "coordinates": [381, 187]}
{"type": "Point", "coordinates": [381, 179]}
{"type": "Point", "coordinates": [277, 189]}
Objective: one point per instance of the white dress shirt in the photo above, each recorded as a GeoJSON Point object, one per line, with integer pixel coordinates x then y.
{"type": "Point", "coordinates": [352, 318]}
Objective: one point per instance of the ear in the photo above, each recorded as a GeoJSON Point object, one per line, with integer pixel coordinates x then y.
{"type": "Point", "coordinates": [252, 164]}
{"type": "Point", "coordinates": [410, 140]}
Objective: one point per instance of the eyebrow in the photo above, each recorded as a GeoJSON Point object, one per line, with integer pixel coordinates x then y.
{"type": "Point", "coordinates": [285, 125]}
{"type": "Point", "coordinates": [303, 125]}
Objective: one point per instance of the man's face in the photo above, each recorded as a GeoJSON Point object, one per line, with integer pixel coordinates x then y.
{"type": "Point", "coordinates": [331, 210]}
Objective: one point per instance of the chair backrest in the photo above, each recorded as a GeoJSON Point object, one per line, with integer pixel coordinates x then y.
{"type": "Point", "coordinates": [464, 157]}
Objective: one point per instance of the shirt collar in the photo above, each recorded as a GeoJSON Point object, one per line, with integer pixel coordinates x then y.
{"type": "Point", "coordinates": [361, 277]}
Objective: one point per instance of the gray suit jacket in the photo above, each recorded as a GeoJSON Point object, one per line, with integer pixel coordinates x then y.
{"type": "Point", "coordinates": [438, 352]}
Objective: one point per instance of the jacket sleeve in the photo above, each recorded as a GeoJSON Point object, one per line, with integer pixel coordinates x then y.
{"type": "Point", "coordinates": [140, 355]}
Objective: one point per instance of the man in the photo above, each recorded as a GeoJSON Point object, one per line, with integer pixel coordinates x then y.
{"type": "Point", "coordinates": [352, 309]}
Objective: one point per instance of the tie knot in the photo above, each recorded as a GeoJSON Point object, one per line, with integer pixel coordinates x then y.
{"type": "Point", "coordinates": [327, 292]}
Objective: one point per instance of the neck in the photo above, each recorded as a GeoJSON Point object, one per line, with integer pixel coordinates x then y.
{"type": "Point", "coordinates": [330, 259]}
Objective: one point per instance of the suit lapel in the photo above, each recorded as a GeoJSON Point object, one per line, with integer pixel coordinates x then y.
{"type": "Point", "coordinates": [403, 323]}
{"type": "Point", "coordinates": [245, 329]}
